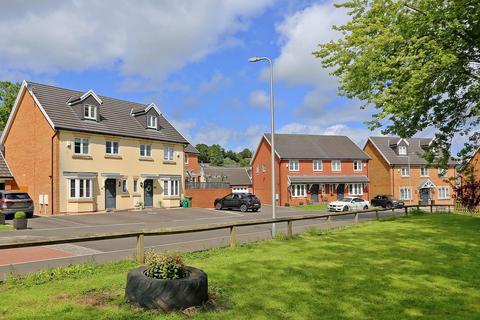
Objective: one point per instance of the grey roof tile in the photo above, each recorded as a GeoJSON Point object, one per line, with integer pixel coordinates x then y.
{"type": "Point", "coordinates": [116, 117]}
{"type": "Point", "coordinates": [307, 146]}
{"type": "Point", "coordinates": [191, 149]}
{"type": "Point", "coordinates": [235, 176]}
{"type": "Point", "coordinates": [414, 150]}
{"type": "Point", "coordinates": [4, 170]}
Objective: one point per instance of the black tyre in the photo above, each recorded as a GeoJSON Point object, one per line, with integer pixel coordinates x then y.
{"type": "Point", "coordinates": [218, 206]}
{"type": "Point", "coordinates": [389, 206]}
{"type": "Point", "coordinates": [365, 207]}
{"type": "Point", "coordinates": [243, 208]}
{"type": "Point", "coordinates": [345, 208]}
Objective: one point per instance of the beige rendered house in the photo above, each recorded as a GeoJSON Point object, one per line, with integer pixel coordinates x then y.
{"type": "Point", "coordinates": [78, 152]}
{"type": "Point", "coordinates": [397, 168]}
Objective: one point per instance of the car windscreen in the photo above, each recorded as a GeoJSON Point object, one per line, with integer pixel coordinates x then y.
{"type": "Point", "coordinates": [346, 199]}
{"type": "Point", "coordinates": [17, 196]}
{"type": "Point", "coordinates": [250, 197]}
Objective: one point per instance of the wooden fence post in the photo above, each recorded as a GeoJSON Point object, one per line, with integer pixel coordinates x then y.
{"type": "Point", "coordinates": [431, 208]}
{"type": "Point", "coordinates": [406, 211]}
{"type": "Point", "coordinates": [140, 251]}
{"type": "Point", "coordinates": [449, 209]}
{"type": "Point", "coordinates": [356, 217]}
{"type": "Point", "coordinates": [329, 222]}
{"type": "Point", "coordinates": [290, 229]}
{"type": "Point", "coordinates": [376, 215]}
{"type": "Point", "coordinates": [233, 236]}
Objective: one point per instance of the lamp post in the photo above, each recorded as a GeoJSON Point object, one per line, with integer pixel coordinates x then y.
{"type": "Point", "coordinates": [272, 139]}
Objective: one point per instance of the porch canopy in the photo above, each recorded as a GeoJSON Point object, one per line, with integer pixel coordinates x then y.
{"type": "Point", "coordinates": [329, 179]}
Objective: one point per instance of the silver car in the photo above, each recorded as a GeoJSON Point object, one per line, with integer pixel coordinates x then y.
{"type": "Point", "coordinates": [12, 201]}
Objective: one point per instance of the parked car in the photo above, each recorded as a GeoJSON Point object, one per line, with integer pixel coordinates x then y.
{"type": "Point", "coordinates": [242, 201]}
{"type": "Point", "coordinates": [348, 203]}
{"type": "Point", "coordinates": [12, 201]}
{"type": "Point", "coordinates": [386, 202]}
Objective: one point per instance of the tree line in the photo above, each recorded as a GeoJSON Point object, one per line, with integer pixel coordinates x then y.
{"type": "Point", "coordinates": [218, 156]}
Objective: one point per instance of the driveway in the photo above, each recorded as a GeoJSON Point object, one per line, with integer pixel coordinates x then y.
{"type": "Point", "coordinates": [30, 259]}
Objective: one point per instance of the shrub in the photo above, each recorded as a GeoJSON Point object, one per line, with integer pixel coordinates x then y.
{"type": "Point", "coordinates": [20, 215]}
{"type": "Point", "coordinates": [164, 265]}
{"type": "Point", "coordinates": [287, 204]}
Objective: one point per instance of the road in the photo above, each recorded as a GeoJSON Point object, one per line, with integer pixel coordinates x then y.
{"type": "Point", "coordinates": [26, 260]}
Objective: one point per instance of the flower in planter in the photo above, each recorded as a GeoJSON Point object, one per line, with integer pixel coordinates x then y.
{"type": "Point", "coordinates": [164, 265]}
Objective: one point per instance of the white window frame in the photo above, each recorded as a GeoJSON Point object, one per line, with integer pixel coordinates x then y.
{"type": "Point", "coordinates": [407, 193]}
{"type": "Point", "coordinates": [152, 122]}
{"type": "Point", "coordinates": [442, 172]}
{"type": "Point", "coordinates": [336, 165]}
{"type": "Point", "coordinates": [317, 165]}
{"type": "Point", "coordinates": [424, 172]}
{"type": "Point", "coordinates": [124, 185]}
{"type": "Point", "coordinates": [168, 153]}
{"type": "Point", "coordinates": [185, 158]}
{"type": "Point", "coordinates": [443, 193]}
{"type": "Point", "coordinates": [359, 164]}
{"type": "Point", "coordinates": [90, 112]}
{"type": "Point", "coordinates": [112, 147]}
{"type": "Point", "coordinates": [402, 150]}
{"type": "Point", "coordinates": [299, 190]}
{"type": "Point", "coordinates": [293, 165]}
{"type": "Point", "coordinates": [171, 188]}
{"type": "Point", "coordinates": [257, 168]}
{"type": "Point", "coordinates": [264, 168]}
{"type": "Point", "coordinates": [146, 147]}
{"type": "Point", "coordinates": [403, 170]}
{"type": "Point", "coordinates": [84, 144]}
{"type": "Point", "coordinates": [82, 188]}
{"type": "Point", "coordinates": [355, 189]}
{"type": "Point", "coordinates": [135, 185]}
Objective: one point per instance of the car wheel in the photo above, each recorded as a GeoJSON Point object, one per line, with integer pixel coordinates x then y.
{"type": "Point", "coordinates": [218, 206]}
{"type": "Point", "coordinates": [345, 208]}
{"type": "Point", "coordinates": [30, 215]}
{"type": "Point", "coordinates": [365, 207]}
{"type": "Point", "coordinates": [389, 206]}
{"type": "Point", "coordinates": [255, 210]}
{"type": "Point", "coordinates": [243, 208]}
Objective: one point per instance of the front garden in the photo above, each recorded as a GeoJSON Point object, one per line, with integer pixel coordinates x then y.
{"type": "Point", "coordinates": [419, 267]}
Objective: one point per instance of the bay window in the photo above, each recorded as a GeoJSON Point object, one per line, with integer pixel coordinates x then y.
{"type": "Point", "coordinates": [81, 189]}
{"type": "Point", "coordinates": [171, 188]}
{"type": "Point", "coordinates": [299, 190]}
{"type": "Point", "coordinates": [355, 189]}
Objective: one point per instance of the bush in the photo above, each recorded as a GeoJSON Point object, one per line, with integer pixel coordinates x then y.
{"type": "Point", "coordinates": [20, 215]}
{"type": "Point", "coordinates": [164, 265]}
{"type": "Point", "coordinates": [287, 204]}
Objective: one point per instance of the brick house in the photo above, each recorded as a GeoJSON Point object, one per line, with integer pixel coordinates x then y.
{"type": "Point", "coordinates": [474, 162]}
{"type": "Point", "coordinates": [310, 168]}
{"type": "Point", "coordinates": [6, 178]}
{"type": "Point", "coordinates": [398, 169]}
{"type": "Point", "coordinates": [76, 151]}
{"type": "Point", "coordinates": [238, 178]}
{"type": "Point", "coordinates": [192, 166]}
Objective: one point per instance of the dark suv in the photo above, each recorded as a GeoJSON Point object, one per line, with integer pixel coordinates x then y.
{"type": "Point", "coordinates": [242, 201]}
{"type": "Point", "coordinates": [386, 202]}
{"type": "Point", "coordinates": [12, 201]}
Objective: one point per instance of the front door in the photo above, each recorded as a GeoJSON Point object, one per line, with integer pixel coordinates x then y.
{"type": "Point", "coordinates": [314, 192]}
{"type": "Point", "coordinates": [148, 192]}
{"type": "Point", "coordinates": [340, 191]}
{"type": "Point", "coordinates": [110, 194]}
{"type": "Point", "coordinates": [424, 195]}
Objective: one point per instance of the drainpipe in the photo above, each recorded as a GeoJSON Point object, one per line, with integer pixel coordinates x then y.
{"type": "Point", "coordinates": [51, 171]}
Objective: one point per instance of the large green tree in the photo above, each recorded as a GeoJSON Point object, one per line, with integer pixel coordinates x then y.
{"type": "Point", "coordinates": [203, 149]}
{"type": "Point", "coordinates": [8, 94]}
{"type": "Point", "coordinates": [215, 155]}
{"type": "Point", "coordinates": [417, 62]}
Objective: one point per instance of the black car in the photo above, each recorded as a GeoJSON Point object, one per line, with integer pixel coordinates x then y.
{"type": "Point", "coordinates": [242, 201]}
{"type": "Point", "coordinates": [386, 202]}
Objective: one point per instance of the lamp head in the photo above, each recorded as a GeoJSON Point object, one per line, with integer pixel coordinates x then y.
{"type": "Point", "coordinates": [255, 59]}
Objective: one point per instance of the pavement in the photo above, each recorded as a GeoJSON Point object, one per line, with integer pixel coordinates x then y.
{"type": "Point", "coordinates": [24, 260]}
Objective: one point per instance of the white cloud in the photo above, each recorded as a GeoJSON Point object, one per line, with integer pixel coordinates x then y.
{"type": "Point", "coordinates": [151, 38]}
{"type": "Point", "coordinates": [259, 99]}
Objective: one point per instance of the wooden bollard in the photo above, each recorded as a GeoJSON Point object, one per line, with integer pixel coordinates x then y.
{"type": "Point", "coordinates": [140, 250]}
{"type": "Point", "coordinates": [233, 237]}
{"type": "Point", "coordinates": [356, 217]}
{"type": "Point", "coordinates": [290, 229]}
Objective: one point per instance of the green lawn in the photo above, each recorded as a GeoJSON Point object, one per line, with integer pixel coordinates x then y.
{"type": "Point", "coordinates": [4, 227]}
{"type": "Point", "coordinates": [420, 267]}
{"type": "Point", "coordinates": [310, 207]}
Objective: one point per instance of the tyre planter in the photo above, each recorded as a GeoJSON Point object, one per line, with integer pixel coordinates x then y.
{"type": "Point", "coordinates": [20, 224]}
{"type": "Point", "coordinates": [166, 294]}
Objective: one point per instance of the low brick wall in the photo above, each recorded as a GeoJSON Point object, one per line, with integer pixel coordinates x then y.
{"type": "Point", "coordinates": [205, 198]}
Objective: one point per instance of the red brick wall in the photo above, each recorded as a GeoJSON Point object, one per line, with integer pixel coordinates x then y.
{"type": "Point", "coordinates": [193, 163]}
{"type": "Point", "coordinates": [205, 198]}
{"type": "Point", "coordinates": [28, 153]}
{"type": "Point", "coordinates": [262, 181]}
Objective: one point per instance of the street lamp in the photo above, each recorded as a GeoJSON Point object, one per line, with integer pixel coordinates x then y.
{"type": "Point", "coordinates": [272, 117]}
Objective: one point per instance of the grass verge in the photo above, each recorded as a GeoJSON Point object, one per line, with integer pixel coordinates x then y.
{"type": "Point", "coordinates": [421, 267]}
{"type": "Point", "coordinates": [312, 207]}
{"type": "Point", "coordinates": [5, 227]}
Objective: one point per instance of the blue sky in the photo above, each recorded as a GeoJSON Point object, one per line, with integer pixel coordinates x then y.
{"type": "Point", "coordinates": [190, 58]}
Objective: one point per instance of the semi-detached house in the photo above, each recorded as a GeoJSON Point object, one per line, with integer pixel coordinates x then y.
{"type": "Point", "coordinates": [76, 151]}
{"type": "Point", "coordinates": [310, 168]}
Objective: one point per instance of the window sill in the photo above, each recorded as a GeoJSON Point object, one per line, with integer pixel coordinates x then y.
{"type": "Point", "coordinates": [169, 162]}
{"type": "Point", "coordinates": [113, 156]}
{"type": "Point", "coordinates": [80, 200]}
{"type": "Point", "coordinates": [137, 194]}
{"type": "Point", "coordinates": [171, 197]}
{"type": "Point", "coordinates": [125, 195]}
{"type": "Point", "coordinates": [146, 159]}
{"type": "Point", "coordinates": [82, 156]}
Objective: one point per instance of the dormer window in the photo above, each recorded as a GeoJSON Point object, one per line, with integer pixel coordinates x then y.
{"type": "Point", "coordinates": [152, 122]}
{"type": "Point", "coordinates": [402, 150]}
{"type": "Point", "coordinates": [90, 112]}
